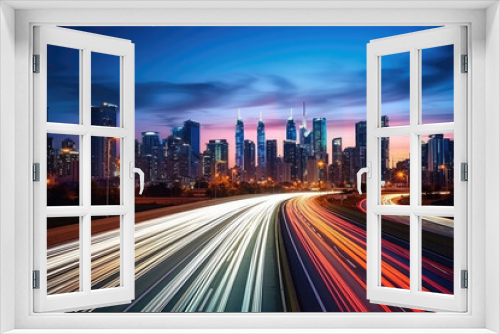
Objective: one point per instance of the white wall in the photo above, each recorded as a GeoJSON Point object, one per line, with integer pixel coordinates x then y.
{"type": "Point", "coordinates": [492, 166]}
{"type": "Point", "coordinates": [7, 159]}
{"type": "Point", "coordinates": [485, 105]}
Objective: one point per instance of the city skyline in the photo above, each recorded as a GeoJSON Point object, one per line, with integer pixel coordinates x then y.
{"type": "Point", "coordinates": [287, 106]}
{"type": "Point", "coordinates": [207, 73]}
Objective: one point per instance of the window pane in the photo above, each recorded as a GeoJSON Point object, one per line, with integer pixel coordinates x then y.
{"type": "Point", "coordinates": [63, 255]}
{"type": "Point", "coordinates": [105, 170]}
{"type": "Point", "coordinates": [105, 250]}
{"type": "Point", "coordinates": [63, 85]}
{"type": "Point", "coordinates": [437, 84]}
{"type": "Point", "coordinates": [395, 252]}
{"type": "Point", "coordinates": [395, 92]}
{"type": "Point", "coordinates": [437, 169]}
{"type": "Point", "coordinates": [437, 254]}
{"type": "Point", "coordinates": [105, 91]}
{"type": "Point", "coordinates": [63, 170]}
{"type": "Point", "coordinates": [395, 170]}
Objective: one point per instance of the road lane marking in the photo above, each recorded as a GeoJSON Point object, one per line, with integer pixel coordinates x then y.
{"type": "Point", "coordinates": [205, 300]}
{"type": "Point", "coordinates": [316, 294]}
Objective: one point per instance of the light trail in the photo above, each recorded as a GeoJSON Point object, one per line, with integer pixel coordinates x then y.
{"type": "Point", "coordinates": [232, 253]}
{"type": "Point", "coordinates": [227, 258]}
{"type": "Point", "coordinates": [335, 248]}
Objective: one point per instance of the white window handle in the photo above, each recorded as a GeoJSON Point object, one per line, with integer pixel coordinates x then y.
{"type": "Point", "coordinates": [366, 170]}
{"type": "Point", "coordinates": [139, 171]}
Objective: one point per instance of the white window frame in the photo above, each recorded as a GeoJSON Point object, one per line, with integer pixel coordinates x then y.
{"type": "Point", "coordinates": [413, 43]}
{"type": "Point", "coordinates": [86, 44]}
{"type": "Point", "coordinates": [483, 50]}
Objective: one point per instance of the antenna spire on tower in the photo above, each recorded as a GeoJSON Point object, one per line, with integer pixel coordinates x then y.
{"type": "Point", "coordinates": [239, 114]}
{"type": "Point", "coordinates": [304, 114]}
{"type": "Point", "coordinates": [260, 117]}
{"type": "Point", "coordinates": [291, 113]}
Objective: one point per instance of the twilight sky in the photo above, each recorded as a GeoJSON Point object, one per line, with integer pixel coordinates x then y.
{"type": "Point", "coordinates": [207, 73]}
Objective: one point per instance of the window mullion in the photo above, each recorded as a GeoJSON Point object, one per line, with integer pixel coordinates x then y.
{"type": "Point", "coordinates": [415, 251]}
{"type": "Point", "coordinates": [85, 162]}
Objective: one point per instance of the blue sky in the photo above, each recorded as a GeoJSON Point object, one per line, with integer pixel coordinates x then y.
{"type": "Point", "coordinates": [207, 73]}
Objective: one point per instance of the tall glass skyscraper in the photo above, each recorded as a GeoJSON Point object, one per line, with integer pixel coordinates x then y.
{"type": "Point", "coordinates": [261, 144]}
{"type": "Point", "coordinates": [290, 157]}
{"type": "Point", "coordinates": [336, 167]}
{"type": "Point", "coordinates": [152, 152]}
{"type": "Point", "coordinates": [291, 129]}
{"type": "Point", "coordinates": [104, 115]}
{"type": "Point", "coordinates": [319, 136]}
{"type": "Point", "coordinates": [219, 149]}
{"type": "Point", "coordinates": [303, 128]}
{"type": "Point", "coordinates": [150, 139]}
{"type": "Point", "coordinates": [191, 132]}
{"type": "Point", "coordinates": [360, 144]}
{"type": "Point", "coordinates": [239, 140]}
{"type": "Point", "coordinates": [249, 160]}
{"type": "Point", "coordinates": [272, 158]}
{"type": "Point", "coordinates": [384, 151]}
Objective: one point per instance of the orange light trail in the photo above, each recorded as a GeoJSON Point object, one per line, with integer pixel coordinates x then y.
{"type": "Point", "coordinates": [336, 247]}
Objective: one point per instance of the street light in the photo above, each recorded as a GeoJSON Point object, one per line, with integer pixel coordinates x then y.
{"type": "Point", "coordinates": [404, 176]}
{"type": "Point", "coordinates": [444, 168]}
{"type": "Point", "coordinates": [215, 184]}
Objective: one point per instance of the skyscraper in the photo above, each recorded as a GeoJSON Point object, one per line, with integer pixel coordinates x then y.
{"type": "Point", "coordinates": [303, 127]}
{"type": "Point", "coordinates": [302, 156]}
{"type": "Point", "coordinates": [208, 165]}
{"type": "Point", "coordinates": [51, 156]}
{"type": "Point", "coordinates": [152, 152]}
{"type": "Point", "coordinates": [173, 151]}
{"type": "Point", "coordinates": [360, 144]}
{"type": "Point", "coordinates": [439, 160]}
{"type": "Point", "coordinates": [67, 163]}
{"type": "Point", "coordinates": [104, 115]}
{"type": "Point", "coordinates": [384, 152]}
{"type": "Point", "coordinates": [349, 170]}
{"type": "Point", "coordinates": [319, 137]}
{"type": "Point", "coordinates": [261, 145]}
{"type": "Point", "coordinates": [219, 150]}
{"type": "Point", "coordinates": [103, 148]}
{"type": "Point", "coordinates": [336, 167]}
{"type": "Point", "coordinates": [290, 158]}
{"type": "Point", "coordinates": [150, 139]}
{"type": "Point", "coordinates": [239, 141]}
{"type": "Point", "coordinates": [137, 148]}
{"type": "Point", "coordinates": [185, 155]}
{"type": "Point", "coordinates": [271, 157]}
{"type": "Point", "coordinates": [305, 136]}
{"type": "Point", "coordinates": [178, 131]}
{"type": "Point", "coordinates": [249, 160]}
{"type": "Point", "coordinates": [312, 170]}
{"type": "Point", "coordinates": [191, 132]}
{"type": "Point", "coordinates": [291, 129]}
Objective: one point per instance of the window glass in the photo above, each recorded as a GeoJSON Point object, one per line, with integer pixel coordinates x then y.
{"type": "Point", "coordinates": [63, 170]}
{"type": "Point", "coordinates": [63, 255]}
{"type": "Point", "coordinates": [63, 85]}
{"type": "Point", "coordinates": [437, 84]}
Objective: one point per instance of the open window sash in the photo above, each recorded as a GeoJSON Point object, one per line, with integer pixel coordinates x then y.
{"type": "Point", "coordinates": [85, 295]}
{"type": "Point", "coordinates": [415, 296]}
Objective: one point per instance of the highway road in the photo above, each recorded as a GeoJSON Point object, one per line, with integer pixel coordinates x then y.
{"type": "Point", "coordinates": [272, 253]}
{"type": "Point", "coordinates": [327, 253]}
{"type": "Point", "coordinates": [213, 259]}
